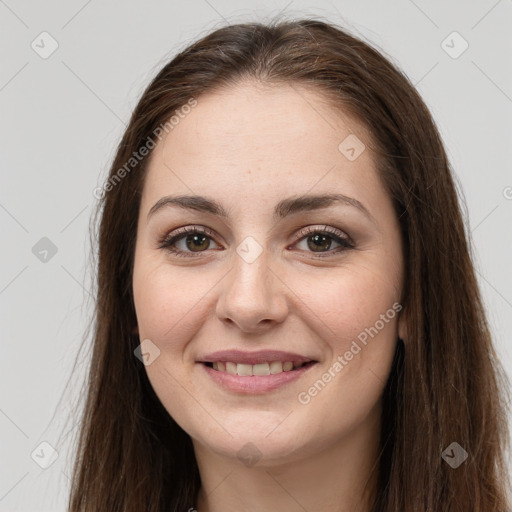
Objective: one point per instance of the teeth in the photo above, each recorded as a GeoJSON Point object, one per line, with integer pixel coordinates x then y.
{"type": "Point", "coordinates": [246, 370]}
{"type": "Point", "coordinates": [261, 369]}
{"type": "Point", "coordinates": [276, 367]}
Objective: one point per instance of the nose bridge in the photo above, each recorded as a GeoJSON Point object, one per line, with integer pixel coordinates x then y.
{"type": "Point", "coordinates": [252, 294]}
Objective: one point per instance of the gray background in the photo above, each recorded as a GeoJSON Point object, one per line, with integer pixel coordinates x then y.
{"type": "Point", "coordinates": [62, 116]}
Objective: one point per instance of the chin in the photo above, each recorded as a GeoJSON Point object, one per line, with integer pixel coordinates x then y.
{"type": "Point", "coordinates": [263, 445]}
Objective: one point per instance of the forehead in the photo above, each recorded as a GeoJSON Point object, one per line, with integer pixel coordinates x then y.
{"type": "Point", "coordinates": [262, 139]}
{"type": "Point", "coordinates": [254, 116]}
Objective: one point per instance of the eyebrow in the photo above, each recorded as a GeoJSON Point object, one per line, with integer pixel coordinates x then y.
{"type": "Point", "coordinates": [284, 208]}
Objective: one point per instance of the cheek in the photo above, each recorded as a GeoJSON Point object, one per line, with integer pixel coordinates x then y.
{"type": "Point", "coordinates": [350, 300]}
{"type": "Point", "coordinates": [361, 312]}
{"type": "Point", "coordinates": [358, 310]}
{"type": "Point", "coordinates": [168, 307]}
{"type": "Point", "coordinates": [166, 300]}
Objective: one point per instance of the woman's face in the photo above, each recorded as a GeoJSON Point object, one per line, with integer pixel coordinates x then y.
{"type": "Point", "coordinates": [274, 275]}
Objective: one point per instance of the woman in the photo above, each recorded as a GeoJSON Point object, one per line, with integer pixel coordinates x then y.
{"type": "Point", "coordinates": [287, 312]}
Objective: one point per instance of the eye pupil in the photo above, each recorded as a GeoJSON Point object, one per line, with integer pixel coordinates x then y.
{"type": "Point", "coordinates": [196, 244]}
{"type": "Point", "coordinates": [321, 240]}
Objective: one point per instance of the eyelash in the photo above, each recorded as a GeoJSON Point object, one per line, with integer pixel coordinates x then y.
{"type": "Point", "coordinates": [338, 236]}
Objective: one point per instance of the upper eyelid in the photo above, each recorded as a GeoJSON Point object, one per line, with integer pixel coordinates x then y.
{"type": "Point", "coordinates": [318, 228]}
{"type": "Point", "coordinates": [183, 231]}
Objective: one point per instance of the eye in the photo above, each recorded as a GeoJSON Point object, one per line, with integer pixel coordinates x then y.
{"type": "Point", "coordinates": [196, 239]}
{"type": "Point", "coordinates": [319, 241]}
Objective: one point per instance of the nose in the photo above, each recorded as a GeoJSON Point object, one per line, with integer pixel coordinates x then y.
{"type": "Point", "coordinates": [252, 296]}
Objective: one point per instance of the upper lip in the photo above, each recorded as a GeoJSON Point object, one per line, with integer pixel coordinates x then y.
{"type": "Point", "coordinates": [261, 356]}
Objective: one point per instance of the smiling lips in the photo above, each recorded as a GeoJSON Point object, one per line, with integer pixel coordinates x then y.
{"type": "Point", "coordinates": [261, 363]}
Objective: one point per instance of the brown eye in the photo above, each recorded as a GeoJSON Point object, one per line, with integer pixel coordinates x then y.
{"type": "Point", "coordinates": [197, 242]}
{"type": "Point", "coordinates": [193, 239]}
{"type": "Point", "coordinates": [320, 241]}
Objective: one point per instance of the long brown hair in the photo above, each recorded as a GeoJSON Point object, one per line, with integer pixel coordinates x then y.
{"type": "Point", "coordinates": [446, 384]}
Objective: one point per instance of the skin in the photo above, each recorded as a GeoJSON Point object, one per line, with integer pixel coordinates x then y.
{"type": "Point", "coordinates": [248, 147]}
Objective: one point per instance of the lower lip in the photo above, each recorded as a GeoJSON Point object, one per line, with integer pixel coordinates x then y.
{"type": "Point", "coordinates": [255, 383]}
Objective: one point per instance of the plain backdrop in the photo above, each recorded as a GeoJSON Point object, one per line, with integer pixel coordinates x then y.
{"type": "Point", "coordinates": [63, 113]}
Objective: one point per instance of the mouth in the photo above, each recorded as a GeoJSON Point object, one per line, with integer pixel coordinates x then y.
{"type": "Point", "coordinates": [255, 364]}
{"type": "Point", "coordinates": [259, 369]}
{"type": "Point", "coordinates": [256, 374]}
